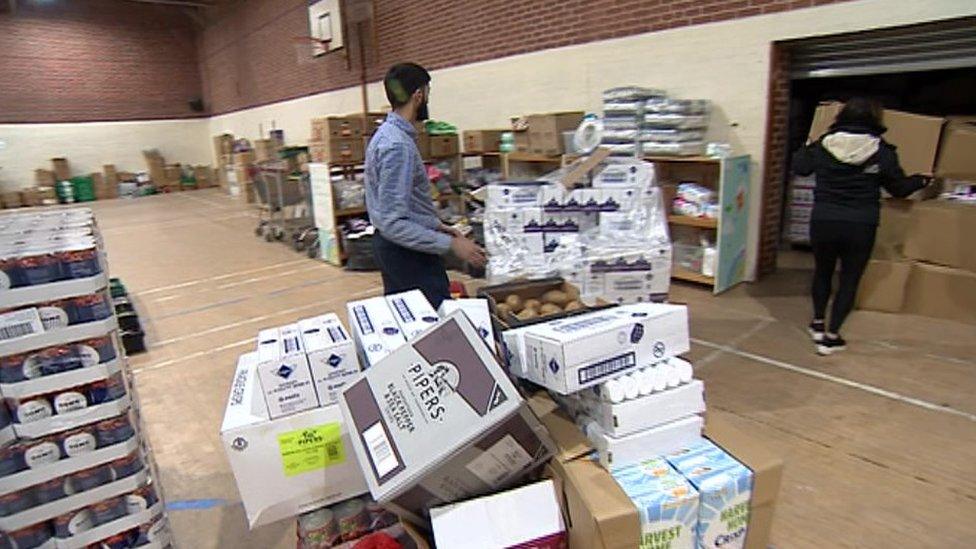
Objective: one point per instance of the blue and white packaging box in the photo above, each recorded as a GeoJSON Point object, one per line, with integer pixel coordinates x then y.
{"type": "Point", "coordinates": [282, 368]}
{"type": "Point", "coordinates": [667, 504]}
{"type": "Point", "coordinates": [725, 490]}
{"type": "Point", "coordinates": [331, 355]}
{"type": "Point", "coordinates": [476, 309]}
{"type": "Point", "coordinates": [570, 354]}
{"type": "Point", "coordinates": [412, 312]}
{"type": "Point", "coordinates": [374, 329]}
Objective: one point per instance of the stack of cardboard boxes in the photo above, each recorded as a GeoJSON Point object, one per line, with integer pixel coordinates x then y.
{"type": "Point", "coordinates": [337, 140]}
{"type": "Point", "coordinates": [543, 133]}
{"type": "Point", "coordinates": [434, 420]}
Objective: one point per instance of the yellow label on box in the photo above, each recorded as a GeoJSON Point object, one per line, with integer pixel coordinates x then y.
{"type": "Point", "coordinates": [309, 449]}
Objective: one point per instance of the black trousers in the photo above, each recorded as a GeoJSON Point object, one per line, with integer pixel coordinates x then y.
{"type": "Point", "coordinates": [851, 243]}
{"type": "Point", "coordinates": [404, 269]}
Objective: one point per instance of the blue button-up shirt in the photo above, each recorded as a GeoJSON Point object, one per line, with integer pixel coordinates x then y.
{"type": "Point", "coordinates": [398, 192]}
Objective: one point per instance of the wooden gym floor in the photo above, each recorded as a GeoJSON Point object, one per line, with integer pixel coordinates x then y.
{"type": "Point", "coordinates": [879, 442]}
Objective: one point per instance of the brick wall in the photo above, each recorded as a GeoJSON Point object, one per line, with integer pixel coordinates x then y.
{"type": "Point", "coordinates": [88, 60]}
{"type": "Point", "coordinates": [777, 132]}
{"type": "Point", "coordinates": [247, 59]}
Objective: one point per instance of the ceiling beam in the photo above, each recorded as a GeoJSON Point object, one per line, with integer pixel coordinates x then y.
{"type": "Point", "coordinates": [184, 3]}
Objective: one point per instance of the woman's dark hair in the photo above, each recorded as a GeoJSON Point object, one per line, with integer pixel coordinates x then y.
{"type": "Point", "coordinates": [863, 113]}
{"type": "Point", "coordinates": [402, 80]}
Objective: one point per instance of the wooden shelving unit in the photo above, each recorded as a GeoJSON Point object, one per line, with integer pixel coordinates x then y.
{"type": "Point", "coordinates": [699, 222]}
{"type": "Point", "coordinates": [730, 179]}
{"type": "Point", "coordinates": [690, 276]}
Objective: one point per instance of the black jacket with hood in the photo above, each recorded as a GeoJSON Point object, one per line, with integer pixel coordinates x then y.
{"type": "Point", "coordinates": [852, 163]}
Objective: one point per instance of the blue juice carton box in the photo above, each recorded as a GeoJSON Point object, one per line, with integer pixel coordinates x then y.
{"type": "Point", "coordinates": [667, 504]}
{"type": "Point", "coordinates": [724, 489]}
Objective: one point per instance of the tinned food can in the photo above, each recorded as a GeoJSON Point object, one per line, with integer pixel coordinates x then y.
{"type": "Point", "coordinates": [352, 518]}
{"type": "Point", "coordinates": [79, 259]}
{"type": "Point", "coordinates": [106, 511]}
{"type": "Point", "coordinates": [78, 441]}
{"type": "Point", "coordinates": [86, 479]}
{"type": "Point", "coordinates": [41, 452]}
{"type": "Point", "coordinates": [141, 499]}
{"type": "Point", "coordinates": [12, 459]}
{"type": "Point", "coordinates": [32, 536]}
{"type": "Point", "coordinates": [106, 390]}
{"type": "Point", "coordinates": [15, 502]}
{"type": "Point", "coordinates": [126, 466]}
{"type": "Point", "coordinates": [97, 350]}
{"type": "Point", "coordinates": [73, 523]}
{"type": "Point", "coordinates": [51, 490]}
{"type": "Point", "coordinates": [114, 430]}
{"type": "Point", "coordinates": [318, 528]}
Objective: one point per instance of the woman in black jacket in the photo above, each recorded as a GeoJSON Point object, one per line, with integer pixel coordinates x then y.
{"type": "Point", "coordinates": [851, 163]}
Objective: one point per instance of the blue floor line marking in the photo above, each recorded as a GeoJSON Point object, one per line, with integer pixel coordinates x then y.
{"type": "Point", "coordinates": [195, 504]}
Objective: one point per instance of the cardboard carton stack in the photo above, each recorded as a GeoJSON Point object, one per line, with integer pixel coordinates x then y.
{"type": "Point", "coordinates": [337, 140]}
{"type": "Point", "coordinates": [609, 239]}
{"type": "Point", "coordinates": [923, 262]}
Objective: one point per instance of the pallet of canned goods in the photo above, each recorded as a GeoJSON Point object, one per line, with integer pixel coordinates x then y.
{"type": "Point", "coordinates": [74, 471]}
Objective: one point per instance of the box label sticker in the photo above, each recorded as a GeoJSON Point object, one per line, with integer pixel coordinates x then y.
{"type": "Point", "coordinates": [505, 458]}
{"type": "Point", "coordinates": [380, 450]}
{"type": "Point", "coordinates": [310, 449]}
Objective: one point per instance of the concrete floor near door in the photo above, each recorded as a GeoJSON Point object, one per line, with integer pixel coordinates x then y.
{"type": "Point", "coordinates": [879, 441]}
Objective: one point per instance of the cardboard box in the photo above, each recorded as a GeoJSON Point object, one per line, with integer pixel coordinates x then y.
{"type": "Point", "coordinates": [265, 149]}
{"type": "Point", "coordinates": [476, 310]}
{"type": "Point", "coordinates": [956, 158]}
{"type": "Point", "coordinates": [643, 413]}
{"type": "Point", "coordinates": [223, 144]}
{"type": "Point", "coordinates": [442, 146]}
{"type": "Point", "coordinates": [11, 199]}
{"type": "Point", "coordinates": [940, 232]}
{"type": "Point", "coordinates": [102, 189]}
{"type": "Point", "coordinates": [337, 150]}
{"type": "Point", "coordinates": [916, 136]}
{"type": "Point", "coordinates": [30, 196]}
{"type": "Point", "coordinates": [438, 421]}
{"type": "Point", "coordinates": [331, 356]}
{"type": "Point", "coordinates": [941, 292]}
{"type": "Point", "coordinates": [883, 286]}
{"type": "Point", "coordinates": [889, 242]}
{"type": "Point", "coordinates": [481, 141]}
{"type": "Point", "coordinates": [245, 158]}
{"type": "Point", "coordinates": [423, 140]}
{"type": "Point", "coordinates": [524, 517]}
{"type": "Point", "coordinates": [413, 313]}
{"type": "Point", "coordinates": [45, 178]}
{"type": "Point", "coordinates": [601, 516]}
{"type": "Point", "coordinates": [204, 177]}
{"type": "Point", "coordinates": [624, 450]}
{"type": "Point", "coordinates": [283, 370]}
{"type": "Point", "coordinates": [574, 353]}
{"type": "Point", "coordinates": [668, 503]}
{"type": "Point", "coordinates": [724, 489]}
{"type": "Point", "coordinates": [374, 330]}
{"type": "Point", "coordinates": [546, 131]}
{"type": "Point", "coordinates": [521, 139]}
{"type": "Point", "coordinates": [326, 128]}
{"type": "Point", "coordinates": [370, 121]}
{"type": "Point", "coordinates": [60, 168]}
{"type": "Point", "coordinates": [287, 466]}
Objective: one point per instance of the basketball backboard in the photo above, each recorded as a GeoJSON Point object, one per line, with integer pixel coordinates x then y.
{"type": "Point", "coordinates": [325, 24]}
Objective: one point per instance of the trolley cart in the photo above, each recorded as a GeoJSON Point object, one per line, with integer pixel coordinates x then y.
{"type": "Point", "coordinates": [286, 211]}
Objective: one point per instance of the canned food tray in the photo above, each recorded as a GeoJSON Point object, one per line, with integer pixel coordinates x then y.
{"type": "Point", "coordinates": [77, 332]}
{"type": "Point", "coordinates": [51, 510]}
{"type": "Point", "coordinates": [64, 380]}
{"type": "Point", "coordinates": [128, 522]}
{"type": "Point", "coordinates": [63, 422]}
{"type": "Point", "coordinates": [25, 479]}
{"type": "Point", "coordinates": [17, 297]}
{"type": "Point", "coordinates": [7, 435]}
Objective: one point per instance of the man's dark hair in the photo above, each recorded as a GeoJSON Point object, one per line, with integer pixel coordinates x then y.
{"type": "Point", "coordinates": [402, 80]}
{"type": "Point", "coordinates": [861, 112]}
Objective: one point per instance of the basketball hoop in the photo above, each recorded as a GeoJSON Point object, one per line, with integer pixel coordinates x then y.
{"type": "Point", "coordinates": [307, 48]}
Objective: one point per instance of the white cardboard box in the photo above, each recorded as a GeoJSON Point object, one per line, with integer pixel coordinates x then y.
{"type": "Point", "coordinates": [287, 466]}
{"type": "Point", "coordinates": [438, 421]}
{"type": "Point", "coordinates": [573, 353]}
{"type": "Point", "coordinates": [374, 329]}
{"type": "Point", "coordinates": [283, 369]}
{"type": "Point", "coordinates": [412, 312]}
{"type": "Point", "coordinates": [477, 312]}
{"type": "Point", "coordinates": [524, 517]}
{"type": "Point", "coordinates": [331, 356]}
{"type": "Point", "coordinates": [514, 352]}
{"type": "Point", "coordinates": [629, 449]}
{"type": "Point", "coordinates": [631, 416]}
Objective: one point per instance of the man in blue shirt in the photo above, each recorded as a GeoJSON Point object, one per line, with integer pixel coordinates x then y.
{"type": "Point", "coordinates": [410, 238]}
